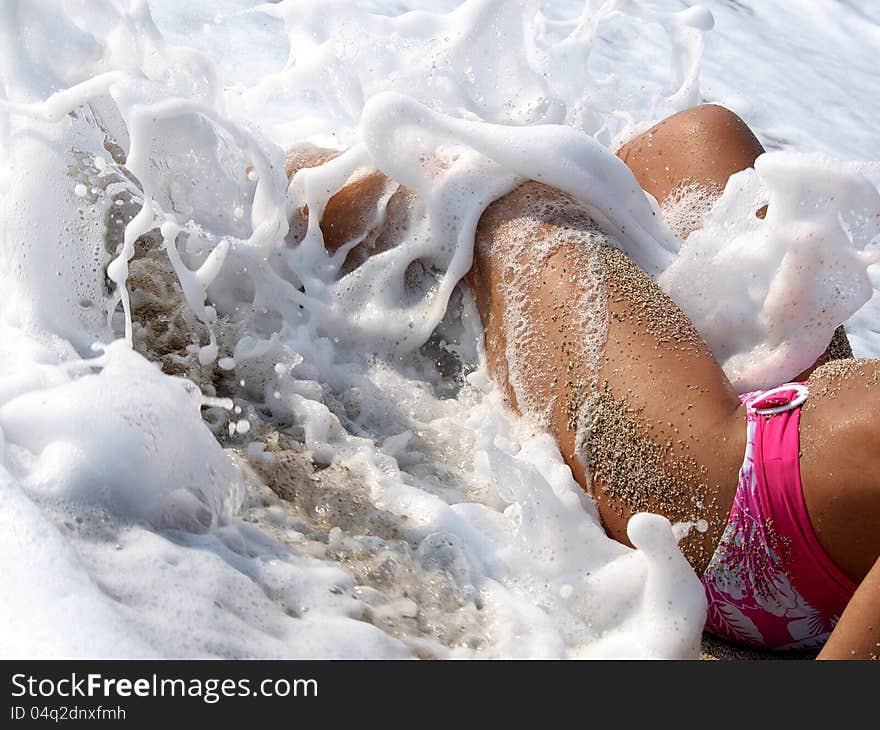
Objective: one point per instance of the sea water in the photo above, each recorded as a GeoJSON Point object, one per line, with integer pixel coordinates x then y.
{"type": "Point", "coordinates": [217, 440]}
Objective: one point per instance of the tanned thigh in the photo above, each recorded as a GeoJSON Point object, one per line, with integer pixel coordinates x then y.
{"type": "Point", "coordinates": [840, 462]}
{"type": "Point", "coordinates": [642, 412]}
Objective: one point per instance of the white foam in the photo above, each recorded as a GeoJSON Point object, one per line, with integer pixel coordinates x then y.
{"type": "Point", "coordinates": [767, 294]}
{"type": "Point", "coordinates": [422, 517]}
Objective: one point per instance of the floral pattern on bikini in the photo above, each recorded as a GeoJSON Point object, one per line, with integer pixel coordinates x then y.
{"type": "Point", "coordinates": [750, 594]}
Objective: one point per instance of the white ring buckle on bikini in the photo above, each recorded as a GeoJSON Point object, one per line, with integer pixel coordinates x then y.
{"type": "Point", "coordinates": [802, 393]}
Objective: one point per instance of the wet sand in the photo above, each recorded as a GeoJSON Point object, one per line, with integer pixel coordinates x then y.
{"type": "Point", "coordinates": [715, 649]}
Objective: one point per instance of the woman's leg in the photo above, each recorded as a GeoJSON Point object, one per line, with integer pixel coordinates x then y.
{"type": "Point", "coordinates": [840, 462]}
{"type": "Point", "coordinates": [577, 333]}
{"type": "Point", "coordinates": [857, 634]}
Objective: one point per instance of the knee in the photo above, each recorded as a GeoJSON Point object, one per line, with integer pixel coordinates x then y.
{"type": "Point", "coordinates": [712, 118]}
{"type": "Point", "coordinates": [711, 123]}
{"type": "Point", "coordinates": [704, 145]}
{"type": "Point", "coordinates": [704, 123]}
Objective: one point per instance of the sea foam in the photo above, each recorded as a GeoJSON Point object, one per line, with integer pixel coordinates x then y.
{"type": "Point", "coordinates": [273, 455]}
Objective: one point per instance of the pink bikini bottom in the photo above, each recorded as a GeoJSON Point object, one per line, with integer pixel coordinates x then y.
{"type": "Point", "coordinates": [770, 583]}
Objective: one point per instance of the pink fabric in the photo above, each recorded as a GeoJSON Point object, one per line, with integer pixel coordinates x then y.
{"type": "Point", "coordinates": [770, 583]}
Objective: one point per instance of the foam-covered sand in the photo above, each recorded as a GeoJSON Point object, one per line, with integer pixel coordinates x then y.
{"type": "Point", "coordinates": [220, 440]}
